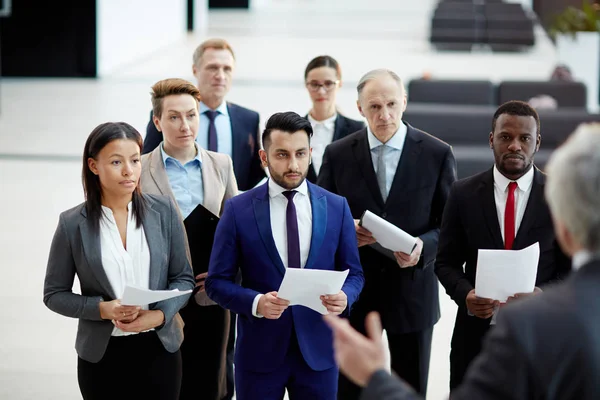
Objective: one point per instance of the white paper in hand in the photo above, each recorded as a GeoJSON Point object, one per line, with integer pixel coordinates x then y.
{"type": "Point", "coordinates": [388, 235]}
{"type": "Point", "coordinates": [134, 296]}
{"type": "Point", "coordinates": [306, 286]}
{"type": "Point", "coordinates": [503, 273]}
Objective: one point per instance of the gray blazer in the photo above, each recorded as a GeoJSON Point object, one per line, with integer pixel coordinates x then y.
{"type": "Point", "coordinates": [75, 250]}
{"type": "Point", "coordinates": [218, 182]}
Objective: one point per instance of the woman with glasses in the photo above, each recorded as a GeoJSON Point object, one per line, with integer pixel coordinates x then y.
{"type": "Point", "coordinates": [323, 78]}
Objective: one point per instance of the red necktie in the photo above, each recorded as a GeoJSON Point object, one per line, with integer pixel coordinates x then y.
{"type": "Point", "coordinates": [509, 217]}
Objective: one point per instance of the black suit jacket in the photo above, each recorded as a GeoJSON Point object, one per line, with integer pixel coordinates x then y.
{"type": "Point", "coordinates": [471, 223]}
{"type": "Point", "coordinates": [406, 298]}
{"type": "Point", "coordinates": [244, 129]}
{"type": "Point", "coordinates": [343, 127]}
{"type": "Point", "coordinates": [546, 347]}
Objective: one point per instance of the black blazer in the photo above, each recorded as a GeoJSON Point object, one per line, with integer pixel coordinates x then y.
{"type": "Point", "coordinates": [244, 128]}
{"type": "Point", "coordinates": [406, 298]}
{"type": "Point", "coordinates": [545, 348]}
{"type": "Point", "coordinates": [470, 223]}
{"type": "Point", "coordinates": [343, 127]}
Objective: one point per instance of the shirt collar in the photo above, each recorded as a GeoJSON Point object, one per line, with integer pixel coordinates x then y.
{"type": "Point", "coordinates": [275, 189]}
{"type": "Point", "coordinates": [524, 182]}
{"type": "Point", "coordinates": [396, 141]}
{"type": "Point", "coordinates": [328, 123]}
{"type": "Point", "coordinates": [222, 109]}
{"type": "Point", "coordinates": [165, 156]}
{"type": "Point", "coordinates": [581, 258]}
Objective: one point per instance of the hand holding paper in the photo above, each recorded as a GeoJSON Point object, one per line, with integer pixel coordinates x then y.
{"type": "Point", "coordinates": [502, 273]}
{"type": "Point", "coordinates": [306, 286]}
{"type": "Point", "coordinates": [387, 234]}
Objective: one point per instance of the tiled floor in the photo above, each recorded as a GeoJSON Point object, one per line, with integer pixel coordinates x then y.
{"type": "Point", "coordinates": [44, 123]}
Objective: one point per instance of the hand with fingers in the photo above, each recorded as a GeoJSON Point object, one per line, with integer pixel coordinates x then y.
{"type": "Point", "coordinates": [480, 306]}
{"type": "Point", "coordinates": [518, 296]}
{"type": "Point", "coordinates": [359, 357]}
{"type": "Point", "coordinates": [200, 281]}
{"type": "Point", "coordinates": [146, 320]}
{"type": "Point", "coordinates": [113, 310]}
{"type": "Point", "coordinates": [335, 303]}
{"type": "Point", "coordinates": [363, 236]}
{"type": "Point", "coordinates": [270, 306]}
{"type": "Point", "coordinates": [409, 260]}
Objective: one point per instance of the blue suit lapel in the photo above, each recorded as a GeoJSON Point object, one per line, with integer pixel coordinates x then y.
{"type": "Point", "coordinates": [262, 214]}
{"type": "Point", "coordinates": [319, 222]}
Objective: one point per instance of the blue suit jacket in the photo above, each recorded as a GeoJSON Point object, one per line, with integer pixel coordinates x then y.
{"type": "Point", "coordinates": [244, 241]}
{"type": "Point", "coordinates": [244, 131]}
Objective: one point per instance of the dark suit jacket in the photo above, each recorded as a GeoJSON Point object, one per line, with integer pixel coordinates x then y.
{"type": "Point", "coordinates": [245, 145]}
{"type": "Point", "coordinates": [544, 348]}
{"type": "Point", "coordinates": [470, 223]}
{"type": "Point", "coordinates": [407, 298]}
{"type": "Point", "coordinates": [343, 127]}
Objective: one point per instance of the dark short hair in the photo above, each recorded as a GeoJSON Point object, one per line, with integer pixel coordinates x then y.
{"type": "Point", "coordinates": [518, 108]}
{"type": "Point", "coordinates": [101, 136]}
{"type": "Point", "coordinates": [323, 61]}
{"type": "Point", "coordinates": [289, 122]}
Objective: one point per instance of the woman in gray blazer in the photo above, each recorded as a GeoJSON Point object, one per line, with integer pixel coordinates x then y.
{"type": "Point", "coordinates": [120, 237]}
{"type": "Point", "coordinates": [192, 177]}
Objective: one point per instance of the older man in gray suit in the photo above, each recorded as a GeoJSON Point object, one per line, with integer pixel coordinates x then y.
{"type": "Point", "coordinates": [545, 347]}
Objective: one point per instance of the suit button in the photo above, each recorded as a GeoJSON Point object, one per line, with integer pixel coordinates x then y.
{"type": "Point", "coordinates": [384, 215]}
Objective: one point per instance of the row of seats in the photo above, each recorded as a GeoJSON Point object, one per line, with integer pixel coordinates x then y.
{"type": "Point", "coordinates": [482, 92]}
{"type": "Point", "coordinates": [467, 129]}
{"type": "Point", "coordinates": [461, 24]}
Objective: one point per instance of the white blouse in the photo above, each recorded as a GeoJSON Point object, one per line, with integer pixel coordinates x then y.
{"type": "Point", "coordinates": [124, 267]}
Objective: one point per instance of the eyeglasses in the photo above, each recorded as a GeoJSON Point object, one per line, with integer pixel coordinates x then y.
{"type": "Point", "coordinates": [315, 86]}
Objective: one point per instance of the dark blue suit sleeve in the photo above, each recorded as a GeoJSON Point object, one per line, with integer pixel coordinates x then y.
{"type": "Point", "coordinates": [223, 268]}
{"type": "Point", "coordinates": [347, 258]}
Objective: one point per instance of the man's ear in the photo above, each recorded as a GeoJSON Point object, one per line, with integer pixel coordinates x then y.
{"type": "Point", "coordinates": [263, 158]}
{"type": "Point", "coordinates": [156, 122]}
{"type": "Point", "coordinates": [359, 108]}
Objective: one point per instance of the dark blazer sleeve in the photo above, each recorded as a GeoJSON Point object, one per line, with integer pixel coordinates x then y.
{"type": "Point", "coordinates": [256, 173]}
{"type": "Point", "coordinates": [180, 271]}
{"type": "Point", "coordinates": [326, 178]}
{"type": "Point", "coordinates": [347, 258]}
{"type": "Point", "coordinates": [383, 386]}
{"type": "Point", "coordinates": [452, 251]}
{"type": "Point", "coordinates": [153, 137]}
{"type": "Point", "coordinates": [446, 178]}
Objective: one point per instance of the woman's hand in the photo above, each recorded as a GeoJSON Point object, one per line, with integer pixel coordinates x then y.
{"type": "Point", "coordinates": [113, 310]}
{"type": "Point", "coordinates": [147, 319]}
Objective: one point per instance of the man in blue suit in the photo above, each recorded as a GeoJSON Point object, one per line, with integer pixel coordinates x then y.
{"type": "Point", "coordinates": [285, 223]}
{"type": "Point", "coordinates": [224, 127]}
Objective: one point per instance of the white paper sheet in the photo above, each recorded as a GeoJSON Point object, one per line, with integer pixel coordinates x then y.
{"type": "Point", "coordinates": [503, 273]}
{"type": "Point", "coordinates": [134, 296]}
{"type": "Point", "coordinates": [305, 286]}
{"type": "Point", "coordinates": [388, 235]}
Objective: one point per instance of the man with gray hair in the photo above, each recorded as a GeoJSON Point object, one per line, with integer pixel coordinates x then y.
{"type": "Point", "coordinates": [545, 347]}
{"type": "Point", "coordinates": [404, 176]}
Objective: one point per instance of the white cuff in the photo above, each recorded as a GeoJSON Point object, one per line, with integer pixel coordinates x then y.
{"type": "Point", "coordinates": [255, 306]}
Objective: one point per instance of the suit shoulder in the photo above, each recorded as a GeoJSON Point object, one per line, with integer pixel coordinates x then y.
{"type": "Point", "coordinates": [242, 111]}
{"type": "Point", "coordinates": [345, 143]}
{"type": "Point", "coordinates": [431, 141]}
{"type": "Point", "coordinates": [73, 214]}
{"type": "Point", "coordinates": [146, 158]}
{"type": "Point", "coordinates": [353, 124]}
{"type": "Point", "coordinates": [158, 201]}
{"type": "Point", "coordinates": [219, 159]}
{"type": "Point", "coordinates": [471, 182]}
{"type": "Point", "coordinates": [319, 191]}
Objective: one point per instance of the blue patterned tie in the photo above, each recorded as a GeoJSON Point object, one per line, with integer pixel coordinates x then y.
{"type": "Point", "coordinates": [213, 143]}
{"type": "Point", "coordinates": [293, 238]}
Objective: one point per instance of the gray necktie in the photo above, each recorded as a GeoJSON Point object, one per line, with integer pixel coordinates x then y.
{"type": "Point", "coordinates": [381, 178]}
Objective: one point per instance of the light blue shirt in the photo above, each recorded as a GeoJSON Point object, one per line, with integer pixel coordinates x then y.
{"type": "Point", "coordinates": [223, 125]}
{"type": "Point", "coordinates": [392, 155]}
{"type": "Point", "coordinates": [186, 181]}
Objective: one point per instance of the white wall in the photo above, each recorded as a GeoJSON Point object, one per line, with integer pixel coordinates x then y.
{"type": "Point", "coordinates": [128, 30]}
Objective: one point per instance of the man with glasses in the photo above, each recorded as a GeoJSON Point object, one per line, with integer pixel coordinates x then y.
{"type": "Point", "coordinates": [224, 127]}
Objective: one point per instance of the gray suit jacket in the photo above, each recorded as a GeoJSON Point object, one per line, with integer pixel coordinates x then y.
{"type": "Point", "coordinates": [75, 250]}
{"type": "Point", "coordinates": [543, 348]}
{"type": "Point", "coordinates": [218, 181]}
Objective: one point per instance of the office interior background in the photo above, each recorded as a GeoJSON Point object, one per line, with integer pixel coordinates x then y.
{"type": "Point", "coordinates": [68, 67]}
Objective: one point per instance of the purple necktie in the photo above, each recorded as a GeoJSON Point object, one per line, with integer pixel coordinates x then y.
{"type": "Point", "coordinates": [213, 143]}
{"type": "Point", "coordinates": [293, 239]}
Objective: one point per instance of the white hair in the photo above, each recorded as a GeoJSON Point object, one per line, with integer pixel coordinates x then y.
{"type": "Point", "coordinates": [376, 73]}
{"type": "Point", "coordinates": [573, 185]}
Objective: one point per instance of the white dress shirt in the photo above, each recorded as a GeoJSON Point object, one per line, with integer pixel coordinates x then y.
{"type": "Point", "coordinates": [223, 126]}
{"type": "Point", "coordinates": [323, 132]}
{"type": "Point", "coordinates": [278, 206]}
{"type": "Point", "coordinates": [395, 144]}
{"type": "Point", "coordinates": [122, 266]}
{"type": "Point", "coordinates": [522, 193]}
